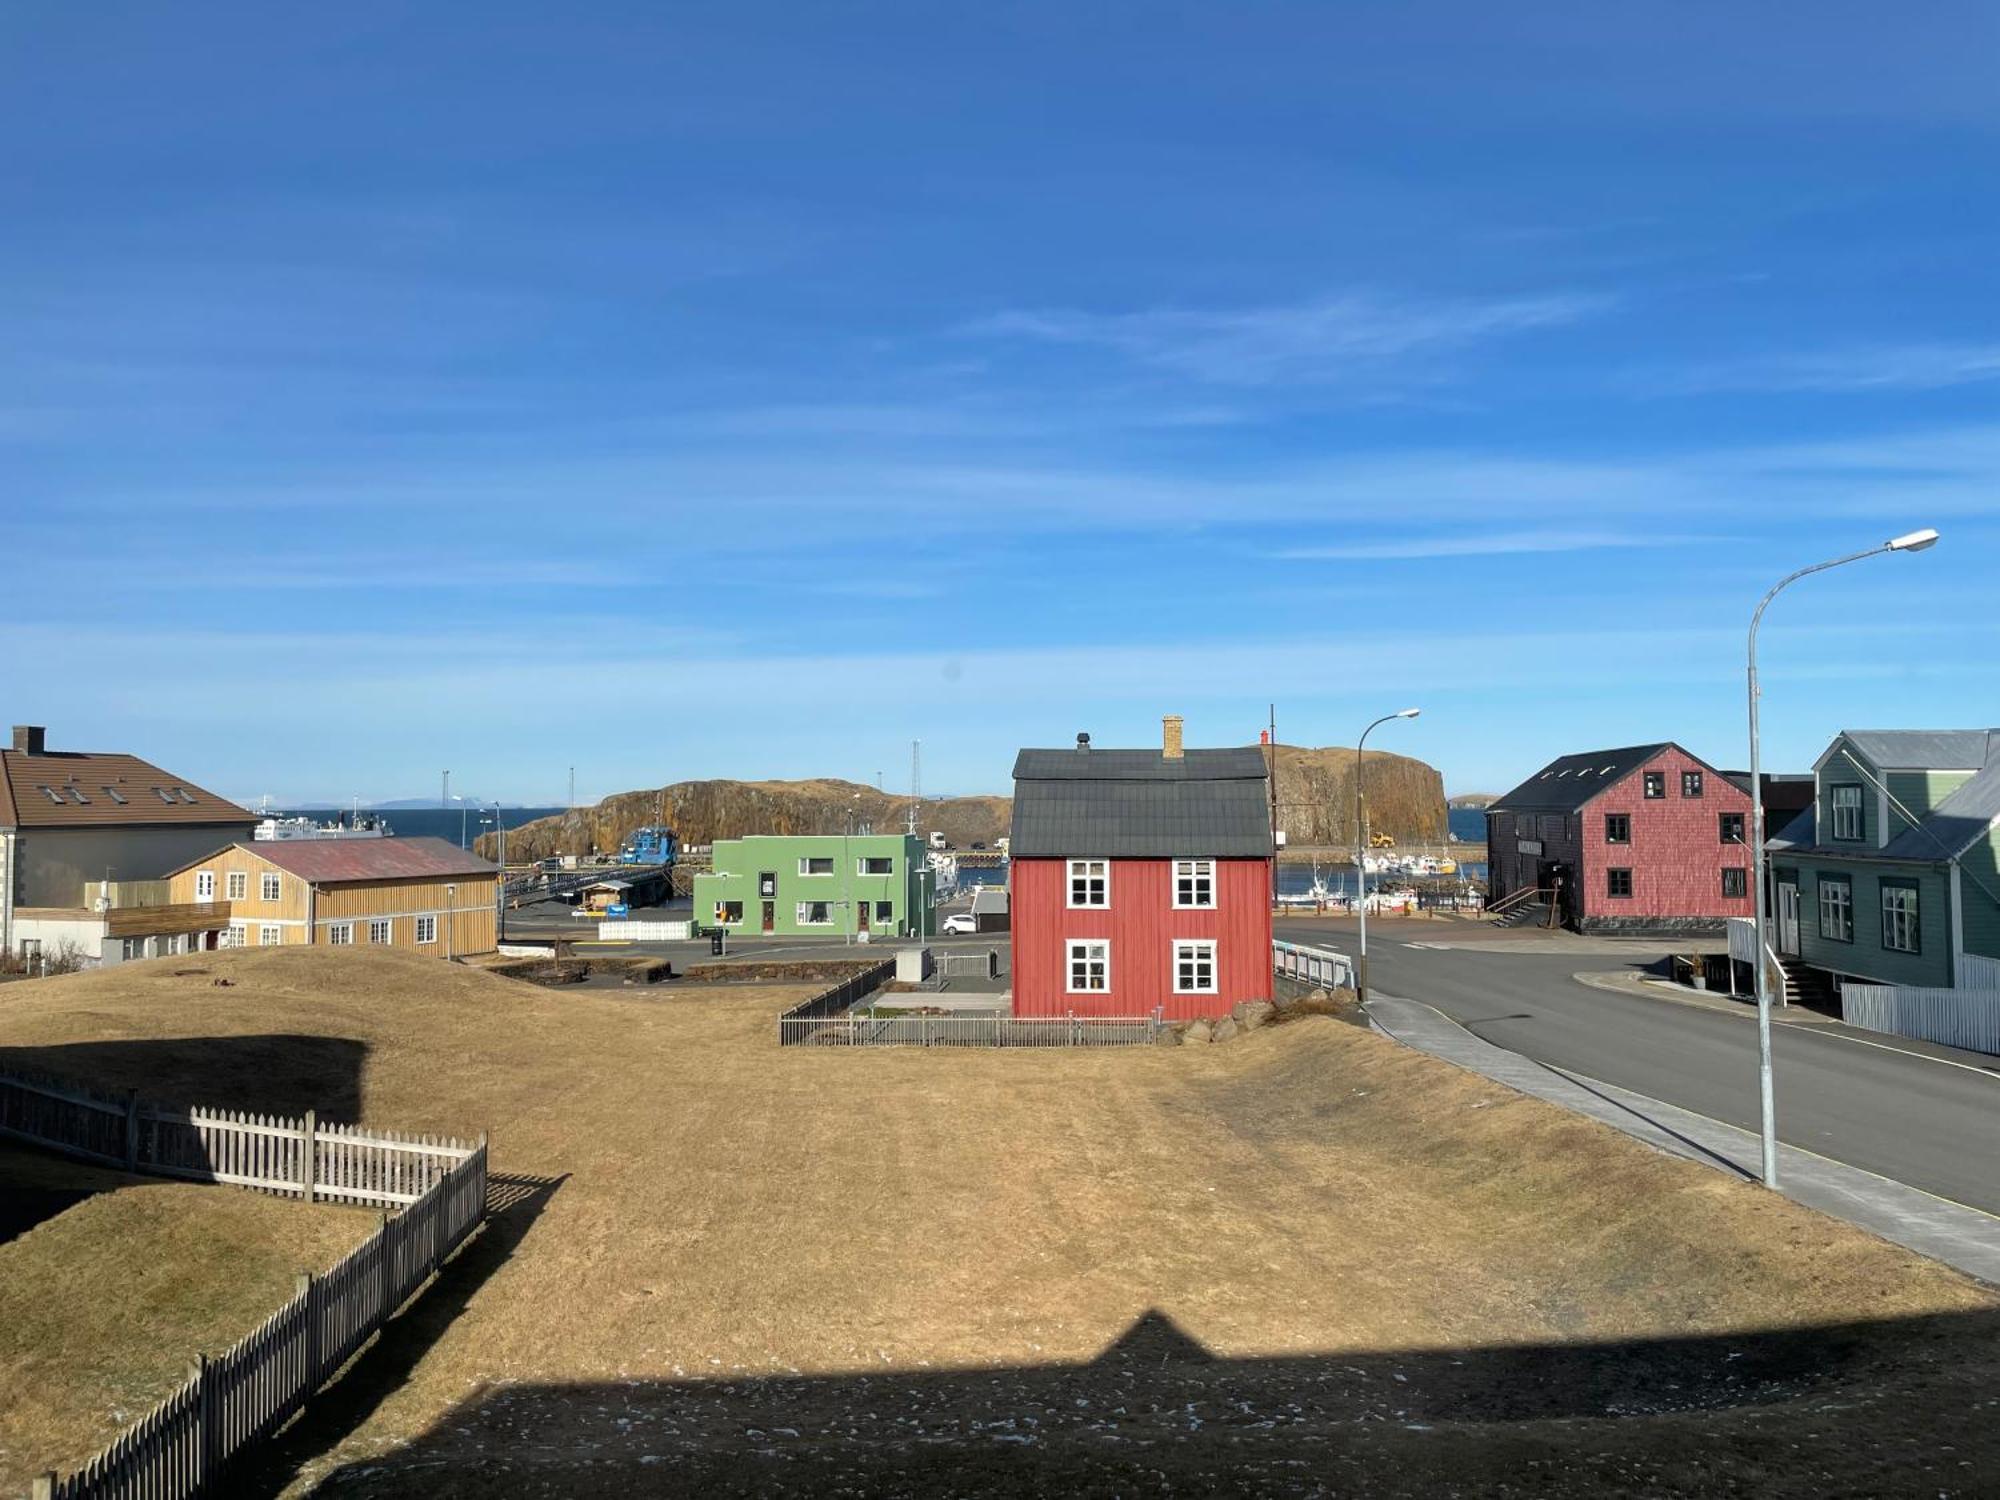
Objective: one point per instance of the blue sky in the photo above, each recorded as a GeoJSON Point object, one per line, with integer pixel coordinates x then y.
{"type": "Point", "coordinates": [750, 390]}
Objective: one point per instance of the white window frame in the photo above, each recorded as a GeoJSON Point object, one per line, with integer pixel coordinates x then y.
{"type": "Point", "coordinates": [270, 935]}
{"type": "Point", "coordinates": [340, 934]}
{"type": "Point", "coordinates": [270, 887]}
{"type": "Point", "coordinates": [1200, 947]}
{"type": "Point", "coordinates": [1071, 950]}
{"type": "Point", "coordinates": [237, 883]}
{"type": "Point", "coordinates": [800, 918]}
{"type": "Point", "coordinates": [204, 885]}
{"type": "Point", "coordinates": [236, 935]}
{"type": "Point", "coordinates": [427, 930]}
{"type": "Point", "coordinates": [386, 926]}
{"type": "Point", "coordinates": [887, 861]}
{"type": "Point", "coordinates": [806, 871]}
{"type": "Point", "coordinates": [1200, 872]}
{"type": "Point", "coordinates": [1836, 822]}
{"type": "Point", "coordinates": [1842, 910]}
{"type": "Point", "coordinates": [1071, 877]}
{"type": "Point", "coordinates": [1902, 920]}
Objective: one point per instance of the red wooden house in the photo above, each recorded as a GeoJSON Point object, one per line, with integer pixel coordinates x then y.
{"type": "Point", "coordinates": [1141, 880]}
{"type": "Point", "coordinates": [1644, 839]}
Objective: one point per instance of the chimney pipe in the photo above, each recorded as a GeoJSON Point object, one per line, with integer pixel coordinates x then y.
{"type": "Point", "coordinates": [1170, 736]}
{"type": "Point", "coordinates": [1083, 742]}
{"type": "Point", "coordinates": [30, 739]}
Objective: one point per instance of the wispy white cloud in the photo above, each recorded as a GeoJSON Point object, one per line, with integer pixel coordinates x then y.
{"type": "Point", "coordinates": [1489, 544]}
{"type": "Point", "coordinates": [1323, 339]}
{"type": "Point", "coordinates": [1893, 367]}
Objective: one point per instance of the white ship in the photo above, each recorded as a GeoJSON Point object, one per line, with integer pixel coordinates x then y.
{"type": "Point", "coordinates": [360, 826]}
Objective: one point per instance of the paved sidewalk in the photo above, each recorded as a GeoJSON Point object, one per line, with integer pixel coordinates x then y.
{"type": "Point", "coordinates": [1958, 1236]}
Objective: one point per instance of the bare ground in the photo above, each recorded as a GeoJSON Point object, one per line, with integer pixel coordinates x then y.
{"type": "Point", "coordinates": [1306, 1259]}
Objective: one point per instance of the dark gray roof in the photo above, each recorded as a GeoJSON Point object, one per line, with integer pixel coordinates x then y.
{"type": "Point", "coordinates": [1796, 836]}
{"type": "Point", "coordinates": [1566, 784]}
{"type": "Point", "coordinates": [1925, 749]}
{"type": "Point", "coordinates": [1139, 804]}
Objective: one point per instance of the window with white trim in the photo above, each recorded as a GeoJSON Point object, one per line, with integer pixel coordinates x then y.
{"type": "Point", "coordinates": [1090, 967]}
{"type": "Point", "coordinates": [816, 864]}
{"type": "Point", "coordinates": [1836, 908]}
{"type": "Point", "coordinates": [815, 914]}
{"type": "Point", "coordinates": [1194, 967]}
{"type": "Point", "coordinates": [875, 864]}
{"type": "Point", "coordinates": [427, 930]}
{"type": "Point", "coordinates": [204, 885]}
{"type": "Point", "coordinates": [1900, 931]}
{"type": "Point", "coordinates": [271, 887]}
{"type": "Point", "coordinates": [238, 883]}
{"type": "Point", "coordinates": [382, 930]}
{"type": "Point", "coordinates": [1847, 815]}
{"type": "Point", "coordinates": [1090, 882]}
{"type": "Point", "coordinates": [235, 935]}
{"type": "Point", "coordinates": [340, 934]}
{"type": "Point", "coordinates": [269, 936]}
{"type": "Point", "coordinates": [1194, 883]}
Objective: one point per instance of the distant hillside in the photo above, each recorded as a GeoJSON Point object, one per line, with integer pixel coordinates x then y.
{"type": "Point", "coordinates": [703, 811]}
{"type": "Point", "coordinates": [1475, 799]}
{"type": "Point", "coordinates": [1315, 808]}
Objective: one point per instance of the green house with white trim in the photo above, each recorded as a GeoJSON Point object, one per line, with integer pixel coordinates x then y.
{"type": "Point", "coordinates": [820, 885]}
{"type": "Point", "coordinates": [1891, 876]}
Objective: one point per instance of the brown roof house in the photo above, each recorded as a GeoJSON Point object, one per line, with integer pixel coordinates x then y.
{"type": "Point", "coordinates": [86, 842]}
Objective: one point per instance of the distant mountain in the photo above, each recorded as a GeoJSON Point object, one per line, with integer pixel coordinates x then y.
{"type": "Point", "coordinates": [1474, 799]}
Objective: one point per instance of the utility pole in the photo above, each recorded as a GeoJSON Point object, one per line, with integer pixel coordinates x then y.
{"type": "Point", "coordinates": [916, 783]}
{"type": "Point", "coordinates": [1271, 771]}
{"type": "Point", "coordinates": [444, 797]}
{"type": "Point", "coordinates": [572, 788]}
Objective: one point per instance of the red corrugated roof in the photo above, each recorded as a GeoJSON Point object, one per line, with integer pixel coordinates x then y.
{"type": "Point", "coordinates": [330, 861]}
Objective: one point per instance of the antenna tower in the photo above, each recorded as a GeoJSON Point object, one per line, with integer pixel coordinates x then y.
{"type": "Point", "coordinates": [916, 782]}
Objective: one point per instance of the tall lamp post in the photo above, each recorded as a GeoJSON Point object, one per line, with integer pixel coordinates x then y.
{"type": "Point", "coordinates": [1360, 852]}
{"type": "Point", "coordinates": [1915, 541]}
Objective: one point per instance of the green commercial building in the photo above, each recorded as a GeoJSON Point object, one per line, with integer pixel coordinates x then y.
{"type": "Point", "coordinates": [820, 885]}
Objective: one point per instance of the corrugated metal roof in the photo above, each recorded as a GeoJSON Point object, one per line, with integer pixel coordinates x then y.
{"type": "Point", "coordinates": [1140, 804]}
{"type": "Point", "coordinates": [77, 789]}
{"type": "Point", "coordinates": [1924, 749]}
{"type": "Point", "coordinates": [331, 861]}
{"type": "Point", "coordinates": [1565, 784]}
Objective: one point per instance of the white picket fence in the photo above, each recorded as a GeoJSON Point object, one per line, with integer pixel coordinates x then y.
{"type": "Point", "coordinates": [182, 1447]}
{"type": "Point", "coordinates": [1955, 1018]}
{"type": "Point", "coordinates": [1976, 973]}
{"type": "Point", "coordinates": [303, 1157]}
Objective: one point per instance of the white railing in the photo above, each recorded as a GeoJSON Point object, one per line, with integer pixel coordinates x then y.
{"type": "Point", "coordinates": [989, 1030]}
{"type": "Point", "coordinates": [1956, 1018]}
{"type": "Point", "coordinates": [1743, 950]}
{"type": "Point", "coordinates": [1318, 966]}
{"type": "Point", "coordinates": [645, 932]}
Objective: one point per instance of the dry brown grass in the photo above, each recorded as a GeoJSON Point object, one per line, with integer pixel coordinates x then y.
{"type": "Point", "coordinates": [731, 1208]}
{"type": "Point", "coordinates": [103, 1305]}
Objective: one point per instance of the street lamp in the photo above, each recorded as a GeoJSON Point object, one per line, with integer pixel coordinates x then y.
{"type": "Point", "coordinates": [1360, 852]}
{"type": "Point", "coordinates": [1914, 541]}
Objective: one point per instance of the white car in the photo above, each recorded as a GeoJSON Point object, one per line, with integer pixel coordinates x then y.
{"type": "Point", "coordinates": [959, 922]}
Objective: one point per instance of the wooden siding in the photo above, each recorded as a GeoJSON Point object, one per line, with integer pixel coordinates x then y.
{"type": "Point", "coordinates": [465, 920]}
{"type": "Point", "coordinates": [1141, 925]}
{"type": "Point", "coordinates": [1865, 957]}
{"type": "Point", "coordinates": [1979, 892]}
{"type": "Point", "coordinates": [1676, 855]}
{"type": "Point", "coordinates": [1920, 792]}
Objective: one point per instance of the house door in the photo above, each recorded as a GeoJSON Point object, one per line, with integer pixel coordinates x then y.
{"type": "Point", "coordinates": [1788, 920]}
{"type": "Point", "coordinates": [769, 917]}
{"type": "Point", "coordinates": [861, 917]}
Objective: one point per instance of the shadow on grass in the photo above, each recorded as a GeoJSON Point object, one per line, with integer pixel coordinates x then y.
{"type": "Point", "coordinates": [1158, 1413]}
{"type": "Point", "coordinates": [513, 1203]}
{"type": "Point", "coordinates": [277, 1073]}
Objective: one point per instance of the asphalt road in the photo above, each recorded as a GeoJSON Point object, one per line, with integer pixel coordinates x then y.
{"type": "Point", "coordinates": [1931, 1124]}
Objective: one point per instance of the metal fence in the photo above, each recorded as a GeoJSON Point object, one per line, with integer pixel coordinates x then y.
{"type": "Point", "coordinates": [975, 1030]}
{"type": "Point", "coordinates": [842, 997]}
{"type": "Point", "coordinates": [182, 1446]}
{"type": "Point", "coordinates": [1316, 966]}
{"type": "Point", "coordinates": [302, 1157]}
{"type": "Point", "coordinates": [1956, 1018]}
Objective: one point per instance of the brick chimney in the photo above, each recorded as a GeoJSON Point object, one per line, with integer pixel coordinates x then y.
{"type": "Point", "coordinates": [30, 739]}
{"type": "Point", "coordinates": [1170, 736]}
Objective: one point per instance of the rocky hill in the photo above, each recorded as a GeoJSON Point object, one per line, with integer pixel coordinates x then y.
{"type": "Point", "coordinates": [1315, 808]}
{"type": "Point", "coordinates": [704, 811]}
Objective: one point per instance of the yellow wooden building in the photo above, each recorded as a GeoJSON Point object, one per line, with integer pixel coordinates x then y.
{"type": "Point", "coordinates": [419, 893]}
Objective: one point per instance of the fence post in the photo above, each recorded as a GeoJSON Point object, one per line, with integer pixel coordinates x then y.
{"type": "Point", "coordinates": [309, 1167]}
{"type": "Point", "coordinates": [208, 1413]}
{"type": "Point", "coordinates": [44, 1486]}
{"type": "Point", "coordinates": [308, 1289]}
{"type": "Point", "coordinates": [131, 1130]}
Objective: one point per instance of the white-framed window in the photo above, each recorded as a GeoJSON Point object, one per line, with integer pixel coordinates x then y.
{"type": "Point", "coordinates": [1847, 814]}
{"type": "Point", "coordinates": [1194, 882]}
{"type": "Point", "coordinates": [1089, 882]}
{"type": "Point", "coordinates": [382, 930]}
{"type": "Point", "coordinates": [133, 948]}
{"type": "Point", "coordinates": [269, 936]}
{"type": "Point", "coordinates": [1194, 966]}
{"type": "Point", "coordinates": [238, 882]}
{"type": "Point", "coordinates": [885, 911]}
{"type": "Point", "coordinates": [204, 885]}
{"type": "Point", "coordinates": [270, 887]}
{"type": "Point", "coordinates": [235, 935]}
{"type": "Point", "coordinates": [875, 864]}
{"type": "Point", "coordinates": [815, 864]}
{"type": "Point", "coordinates": [427, 930]}
{"type": "Point", "coordinates": [1900, 932]}
{"type": "Point", "coordinates": [1836, 908]}
{"type": "Point", "coordinates": [815, 914]}
{"type": "Point", "coordinates": [340, 934]}
{"type": "Point", "coordinates": [1090, 966]}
